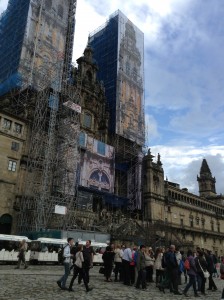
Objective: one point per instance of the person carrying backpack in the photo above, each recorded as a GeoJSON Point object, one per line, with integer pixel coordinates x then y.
{"type": "Point", "coordinates": [67, 256]}
{"type": "Point", "coordinates": [192, 272]}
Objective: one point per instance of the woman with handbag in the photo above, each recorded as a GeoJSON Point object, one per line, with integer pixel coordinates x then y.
{"type": "Point", "coordinates": [78, 270]}
{"type": "Point", "coordinates": [201, 266]}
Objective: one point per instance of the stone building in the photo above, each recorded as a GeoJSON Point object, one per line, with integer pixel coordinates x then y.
{"type": "Point", "coordinates": [13, 134]}
{"type": "Point", "coordinates": [178, 216]}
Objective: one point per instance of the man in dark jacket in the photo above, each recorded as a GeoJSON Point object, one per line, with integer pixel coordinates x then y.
{"type": "Point", "coordinates": [140, 265]}
{"type": "Point", "coordinates": [172, 269]}
{"type": "Point", "coordinates": [209, 259]}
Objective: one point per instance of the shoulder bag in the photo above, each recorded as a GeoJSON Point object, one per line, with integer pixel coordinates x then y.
{"type": "Point", "coordinates": [205, 273]}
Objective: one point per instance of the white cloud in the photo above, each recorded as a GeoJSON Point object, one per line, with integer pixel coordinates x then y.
{"type": "Point", "coordinates": [182, 164]}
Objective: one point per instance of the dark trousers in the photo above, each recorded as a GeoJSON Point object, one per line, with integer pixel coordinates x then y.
{"type": "Point", "coordinates": [211, 284]}
{"type": "Point", "coordinates": [141, 279]}
{"type": "Point", "coordinates": [201, 282]}
{"type": "Point", "coordinates": [149, 273]}
{"type": "Point", "coordinates": [173, 275]}
{"type": "Point", "coordinates": [192, 282]}
{"type": "Point", "coordinates": [117, 270]}
{"type": "Point", "coordinates": [159, 276]}
{"type": "Point", "coordinates": [81, 273]}
{"type": "Point", "coordinates": [86, 271]}
{"type": "Point", "coordinates": [126, 269]}
{"type": "Point", "coordinates": [132, 274]}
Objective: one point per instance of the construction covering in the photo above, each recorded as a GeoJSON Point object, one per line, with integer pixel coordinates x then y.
{"type": "Point", "coordinates": [97, 164]}
{"type": "Point", "coordinates": [34, 34]}
{"type": "Point", "coordinates": [119, 52]}
{"type": "Point", "coordinates": [12, 29]}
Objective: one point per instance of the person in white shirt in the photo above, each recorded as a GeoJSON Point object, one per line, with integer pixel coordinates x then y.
{"type": "Point", "coordinates": [126, 259]}
{"type": "Point", "coordinates": [67, 256]}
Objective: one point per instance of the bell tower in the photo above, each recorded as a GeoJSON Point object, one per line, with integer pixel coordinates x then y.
{"type": "Point", "coordinates": [206, 182]}
{"type": "Point", "coordinates": [153, 184]}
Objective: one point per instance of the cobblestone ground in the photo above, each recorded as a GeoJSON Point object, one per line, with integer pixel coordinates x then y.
{"type": "Point", "coordinates": [39, 282]}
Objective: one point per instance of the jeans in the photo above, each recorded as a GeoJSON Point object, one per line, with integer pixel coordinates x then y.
{"type": "Point", "coordinates": [192, 281]}
{"type": "Point", "coordinates": [65, 276]}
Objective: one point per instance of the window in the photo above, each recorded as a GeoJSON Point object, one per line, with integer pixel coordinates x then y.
{"type": "Point", "coordinates": [101, 148]}
{"type": "Point", "coordinates": [197, 221]}
{"type": "Point", "coordinates": [15, 146]}
{"type": "Point", "coordinates": [181, 222]}
{"type": "Point", "coordinates": [82, 139]}
{"type": "Point", "coordinates": [7, 124]}
{"type": "Point", "coordinates": [12, 166]}
{"type": "Point", "coordinates": [18, 128]}
{"type": "Point", "coordinates": [87, 122]}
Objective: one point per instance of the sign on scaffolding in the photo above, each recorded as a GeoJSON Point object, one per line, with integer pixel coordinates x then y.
{"type": "Point", "coordinates": [60, 210]}
{"type": "Point", "coordinates": [73, 106]}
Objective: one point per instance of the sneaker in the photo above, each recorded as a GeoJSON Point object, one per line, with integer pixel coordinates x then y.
{"type": "Point", "coordinates": [64, 288]}
{"type": "Point", "coordinates": [89, 289]}
{"type": "Point", "coordinates": [59, 283]}
{"type": "Point", "coordinates": [186, 295]}
{"type": "Point", "coordinates": [177, 293]}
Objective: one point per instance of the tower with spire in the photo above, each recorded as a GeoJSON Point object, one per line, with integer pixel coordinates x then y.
{"type": "Point", "coordinates": [206, 182]}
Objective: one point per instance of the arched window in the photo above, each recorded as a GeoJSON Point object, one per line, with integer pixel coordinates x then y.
{"type": "Point", "coordinates": [5, 224]}
{"type": "Point", "coordinates": [89, 76]}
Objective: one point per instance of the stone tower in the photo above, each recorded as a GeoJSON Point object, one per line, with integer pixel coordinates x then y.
{"type": "Point", "coordinates": [206, 182]}
{"type": "Point", "coordinates": [153, 185]}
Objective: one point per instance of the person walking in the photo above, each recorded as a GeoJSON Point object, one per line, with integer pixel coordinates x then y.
{"type": "Point", "coordinates": [172, 270]}
{"type": "Point", "coordinates": [192, 272]}
{"type": "Point", "coordinates": [201, 266]}
{"type": "Point", "coordinates": [22, 253]}
{"type": "Point", "coordinates": [88, 259]}
{"type": "Point", "coordinates": [209, 259]}
{"type": "Point", "coordinates": [78, 269]}
{"type": "Point", "coordinates": [67, 256]}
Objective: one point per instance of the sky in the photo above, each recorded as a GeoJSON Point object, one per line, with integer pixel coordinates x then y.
{"type": "Point", "coordinates": [184, 76]}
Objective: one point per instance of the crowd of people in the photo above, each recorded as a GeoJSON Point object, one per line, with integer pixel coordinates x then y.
{"type": "Point", "coordinates": [140, 266]}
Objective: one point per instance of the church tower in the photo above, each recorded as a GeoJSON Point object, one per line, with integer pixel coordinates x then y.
{"type": "Point", "coordinates": [153, 185]}
{"type": "Point", "coordinates": [206, 182]}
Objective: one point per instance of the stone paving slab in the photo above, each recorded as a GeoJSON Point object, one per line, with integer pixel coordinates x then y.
{"type": "Point", "coordinates": [39, 283]}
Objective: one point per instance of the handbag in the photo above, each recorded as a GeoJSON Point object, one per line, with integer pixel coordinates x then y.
{"type": "Point", "coordinates": [205, 273]}
{"type": "Point", "coordinates": [78, 261]}
{"type": "Point", "coordinates": [102, 270]}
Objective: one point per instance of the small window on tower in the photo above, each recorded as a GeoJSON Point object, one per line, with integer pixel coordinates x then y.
{"type": "Point", "coordinates": [87, 121]}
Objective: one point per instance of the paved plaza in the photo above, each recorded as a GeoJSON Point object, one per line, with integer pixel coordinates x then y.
{"type": "Point", "coordinates": [39, 282]}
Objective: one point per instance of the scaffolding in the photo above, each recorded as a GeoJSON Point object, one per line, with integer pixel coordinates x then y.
{"type": "Point", "coordinates": [118, 51]}
{"type": "Point", "coordinates": [51, 105]}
